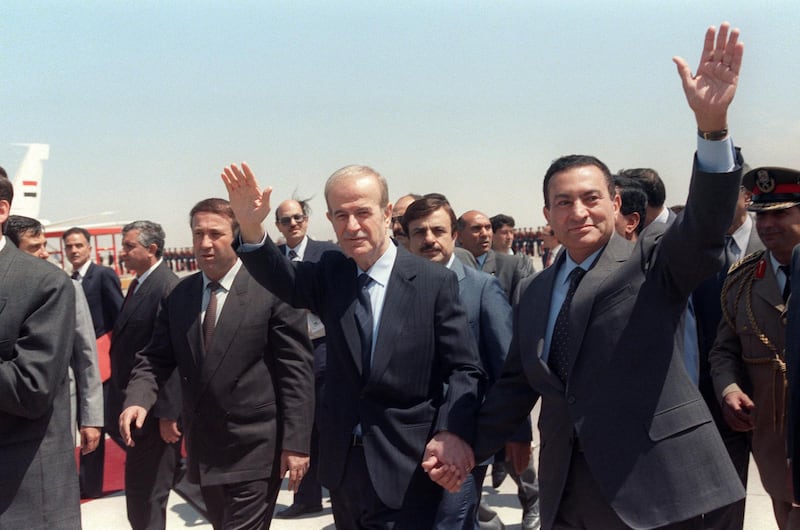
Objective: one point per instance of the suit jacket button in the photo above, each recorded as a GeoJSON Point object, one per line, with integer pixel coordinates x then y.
{"type": "Point", "coordinates": [571, 399]}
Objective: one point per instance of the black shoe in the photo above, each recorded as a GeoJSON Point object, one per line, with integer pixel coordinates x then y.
{"type": "Point", "coordinates": [498, 474]}
{"type": "Point", "coordinates": [296, 510]}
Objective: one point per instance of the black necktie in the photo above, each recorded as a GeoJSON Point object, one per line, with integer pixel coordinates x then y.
{"type": "Point", "coordinates": [363, 313]}
{"type": "Point", "coordinates": [131, 290]}
{"type": "Point", "coordinates": [558, 359]}
{"type": "Point", "coordinates": [787, 287]}
{"type": "Point", "coordinates": [293, 256]}
{"type": "Point", "coordinates": [76, 275]}
{"type": "Point", "coordinates": [210, 320]}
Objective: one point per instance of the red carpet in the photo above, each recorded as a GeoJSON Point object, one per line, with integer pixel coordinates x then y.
{"type": "Point", "coordinates": [113, 470]}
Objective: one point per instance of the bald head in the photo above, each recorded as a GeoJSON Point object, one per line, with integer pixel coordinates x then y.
{"type": "Point", "coordinates": [475, 232]}
{"type": "Point", "coordinates": [291, 219]}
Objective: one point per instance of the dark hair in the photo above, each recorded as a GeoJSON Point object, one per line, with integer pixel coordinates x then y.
{"type": "Point", "coordinates": [77, 230]}
{"type": "Point", "coordinates": [6, 189]}
{"type": "Point", "coordinates": [3, 172]}
{"type": "Point", "coordinates": [572, 161]}
{"type": "Point", "coordinates": [500, 220]}
{"type": "Point", "coordinates": [18, 225]}
{"type": "Point", "coordinates": [633, 198]}
{"type": "Point", "coordinates": [149, 233]}
{"type": "Point", "coordinates": [427, 205]}
{"type": "Point", "coordinates": [650, 182]}
{"type": "Point", "coordinates": [217, 206]}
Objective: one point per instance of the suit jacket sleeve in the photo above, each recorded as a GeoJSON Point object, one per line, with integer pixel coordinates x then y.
{"type": "Point", "coordinates": [290, 348]}
{"type": "Point", "coordinates": [154, 364]}
{"type": "Point", "coordinates": [459, 363]}
{"type": "Point", "coordinates": [84, 365]}
{"type": "Point", "coordinates": [169, 403]}
{"type": "Point", "coordinates": [495, 322]}
{"type": "Point", "coordinates": [35, 357]}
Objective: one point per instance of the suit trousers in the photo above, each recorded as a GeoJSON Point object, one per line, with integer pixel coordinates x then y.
{"type": "Point", "coordinates": [92, 466]}
{"type": "Point", "coordinates": [356, 505]}
{"type": "Point", "coordinates": [241, 505]}
{"type": "Point", "coordinates": [459, 510]}
{"type": "Point", "coordinates": [309, 493]}
{"type": "Point", "coordinates": [582, 504]}
{"type": "Point", "coordinates": [152, 468]}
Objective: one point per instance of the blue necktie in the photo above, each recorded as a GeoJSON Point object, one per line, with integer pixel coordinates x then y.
{"type": "Point", "coordinates": [363, 314]}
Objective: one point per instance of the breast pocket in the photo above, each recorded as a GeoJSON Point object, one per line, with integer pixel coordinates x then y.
{"type": "Point", "coordinates": [679, 419]}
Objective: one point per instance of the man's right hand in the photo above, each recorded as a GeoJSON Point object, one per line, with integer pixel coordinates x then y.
{"type": "Point", "coordinates": [737, 409]}
{"type": "Point", "coordinates": [134, 415]}
{"type": "Point", "coordinates": [250, 205]}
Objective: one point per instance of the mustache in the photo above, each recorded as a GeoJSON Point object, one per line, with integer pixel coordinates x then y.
{"type": "Point", "coordinates": [429, 246]}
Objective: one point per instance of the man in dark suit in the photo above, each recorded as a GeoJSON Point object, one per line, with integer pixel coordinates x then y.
{"type": "Point", "coordinates": [245, 366]}
{"type": "Point", "coordinates": [291, 220]}
{"type": "Point", "coordinates": [741, 240]}
{"type": "Point", "coordinates": [653, 187]}
{"type": "Point", "coordinates": [402, 370]}
{"type": "Point", "coordinates": [38, 481]}
{"type": "Point", "coordinates": [475, 235]}
{"type": "Point", "coordinates": [430, 224]}
{"type": "Point", "coordinates": [104, 294]}
{"type": "Point", "coordinates": [627, 440]}
{"type": "Point", "coordinates": [150, 465]}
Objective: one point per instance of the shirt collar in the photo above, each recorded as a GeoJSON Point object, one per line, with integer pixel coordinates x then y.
{"type": "Point", "coordinates": [226, 281]}
{"type": "Point", "coordinates": [146, 274]}
{"type": "Point", "coordinates": [382, 269]}
{"type": "Point", "coordinates": [451, 260]}
{"type": "Point", "coordinates": [586, 264]}
{"type": "Point", "coordinates": [663, 216]}
{"type": "Point", "coordinates": [742, 235]}
{"type": "Point", "coordinates": [300, 249]}
{"type": "Point", "coordinates": [84, 268]}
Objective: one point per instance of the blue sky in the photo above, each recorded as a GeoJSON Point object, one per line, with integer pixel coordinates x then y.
{"type": "Point", "coordinates": [144, 102]}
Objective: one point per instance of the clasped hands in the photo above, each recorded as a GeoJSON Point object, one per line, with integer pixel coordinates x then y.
{"type": "Point", "coordinates": [448, 460]}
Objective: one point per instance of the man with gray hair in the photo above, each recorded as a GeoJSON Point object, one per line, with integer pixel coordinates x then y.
{"type": "Point", "coordinates": [151, 465]}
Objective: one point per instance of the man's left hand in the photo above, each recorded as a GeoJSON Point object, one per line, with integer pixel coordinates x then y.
{"type": "Point", "coordinates": [90, 437]}
{"type": "Point", "coordinates": [297, 465]}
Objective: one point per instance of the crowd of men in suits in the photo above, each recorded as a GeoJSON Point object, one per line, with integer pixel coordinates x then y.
{"type": "Point", "coordinates": [393, 370]}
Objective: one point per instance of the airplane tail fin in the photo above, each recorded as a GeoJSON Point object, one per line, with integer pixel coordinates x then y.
{"type": "Point", "coordinates": [28, 181]}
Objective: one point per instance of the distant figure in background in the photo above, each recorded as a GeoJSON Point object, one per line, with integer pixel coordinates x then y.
{"type": "Point", "coordinates": [291, 220]}
{"type": "Point", "coordinates": [551, 246]}
{"type": "Point", "coordinates": [633, 210]}
{"type": "Point", "coordinates": [104, 294]}
{"type": "Point", "coordinates": [653, 187]}
{"type": "Point", "coordinates": [38, 479]}
{"type": "Point", "coordinates": [28, 235]}
{"type": "Point", "coordinates": [502, 233]}
{"type": "Point", "coordinates": [399, 209]}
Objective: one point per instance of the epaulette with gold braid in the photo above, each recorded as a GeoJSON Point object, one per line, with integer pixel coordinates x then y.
{"type": "Point", "coordinates": [750, 258]}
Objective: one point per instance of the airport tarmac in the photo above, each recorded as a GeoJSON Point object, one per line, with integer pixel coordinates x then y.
{"type": "Point", "coordinates": [108, 513]}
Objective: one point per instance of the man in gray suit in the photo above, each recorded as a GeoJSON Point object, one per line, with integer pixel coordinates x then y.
{"type": "Point", "coordinates": [28, 235]}
{"type": "Point", "coordinates": [474, 230]}
{"type": "Point", "coordinates": [627, 441]}
{"type": "Point", "coordinates": [430, 224]}
{"type": "Point", "coordinates": [39, 481]}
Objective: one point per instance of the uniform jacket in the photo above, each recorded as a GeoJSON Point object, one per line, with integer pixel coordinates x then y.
{"type": "Point", "coordinates": [643, 428]}
{"type": "Point", "coordinates": [38, 481]}
{"type": "Point", "coordinates": [425, 375]}
{"type": "Point", "coordinates": [245, 400]}
{"type": "Point", "coordinates": [750, 347]}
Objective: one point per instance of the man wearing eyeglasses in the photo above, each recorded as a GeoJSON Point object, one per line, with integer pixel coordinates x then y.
{"type": "Point", "coordinates": [291, 219]}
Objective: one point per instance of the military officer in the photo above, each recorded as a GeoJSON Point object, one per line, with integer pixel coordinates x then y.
{"type": "Point", "coordinates": [748, 364]}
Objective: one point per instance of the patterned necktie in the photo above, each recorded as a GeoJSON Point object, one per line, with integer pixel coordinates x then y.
{"type": "Point", "coordinates": [210, 320]}
{"type": "Point", "coordinates": [787, 287]}
{"type": "Point", "coordinates": [363, 314]}
{"type": "Point", "coordinates": [131, 290]}
{"type": "Point", "coordinates": [293, 256]}
{"type": "Point", "coordinates": [731, 254]}
{"type": "Point", "coordinates": [558, 359]}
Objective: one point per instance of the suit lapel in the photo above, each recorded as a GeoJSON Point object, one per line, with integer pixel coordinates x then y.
{"type": "Point", "coordinates": [400, 291]}
{"type": "Point", "coordinates": [490, 264]}
{"type": "Point", "coordinates": [533, 311]}
{"type": "Point", "coordinates": [227, 325]}
{"type": "Point", "coordinates": [348, 319]}
{"type": "Point", "coordinates": [194, 332]}
{"type": "Point", "coordinates": [617, 250]}
{"type": "Point", "coordinates": [131, 304]}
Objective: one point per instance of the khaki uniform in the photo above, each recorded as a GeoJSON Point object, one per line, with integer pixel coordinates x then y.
{"type": "Point", "coordinates": [749, 355]}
